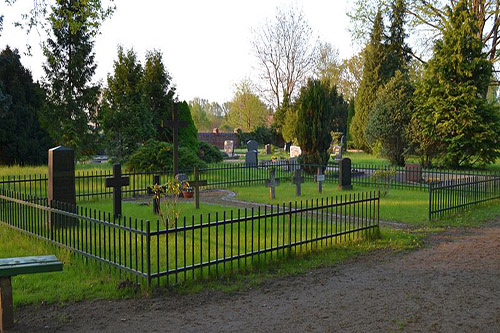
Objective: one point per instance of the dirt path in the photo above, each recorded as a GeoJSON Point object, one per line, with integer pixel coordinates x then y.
{"type": "Point", "coordinates": [451, 285]}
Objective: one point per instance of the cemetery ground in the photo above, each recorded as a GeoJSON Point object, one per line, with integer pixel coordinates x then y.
{"type": "Point", "coordinates": [366, 276]}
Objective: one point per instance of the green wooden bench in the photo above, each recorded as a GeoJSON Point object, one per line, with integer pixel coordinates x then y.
{"type": "Point", "coordinates": [16, 266]}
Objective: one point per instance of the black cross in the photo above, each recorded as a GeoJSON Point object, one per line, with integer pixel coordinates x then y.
{"type": "Point", "coordinates": [319, 178]}
{"type": "Point", "coordinates": [116, 183]}
{"type": "Point", "coordinates": [272, 182]}
{"type": "Point", "coordinates": [175, 124]}
{"type": "Point", "coordinates": [297, 179]}
{"type": "Point", "coordinates": [196, 184]}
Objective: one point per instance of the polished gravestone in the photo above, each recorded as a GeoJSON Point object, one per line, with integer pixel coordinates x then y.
{"type": "Point", "coordinates": [345, 176]}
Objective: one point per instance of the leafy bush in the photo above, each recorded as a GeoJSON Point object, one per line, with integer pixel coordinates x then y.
{"type": "Point", "coordinates": [210, 153]}
{"type": "Point", "coordinates": [158, 156]}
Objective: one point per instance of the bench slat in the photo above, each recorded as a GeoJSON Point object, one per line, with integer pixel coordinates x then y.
{"type": "Point", "coordinates": [29, 265]}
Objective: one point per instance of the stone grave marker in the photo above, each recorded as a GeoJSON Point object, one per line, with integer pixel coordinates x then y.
{"type": "Point", "coordinates": [413, 172]}
{"type": "Point", "coordinates": [117, 182]}
{"type": "Point", "coordinates": [268, 149]}
{"type": "Point", "coordinates": [251, 155]}
{"type": "Point", "coordinates": [319, 178]}
{"type": "Point", "coordinates": [345, 174]}
{"type": "Point", "coordinates": [61, 183]}
{"type": "Point", "coordinates": [229, 147]}
{"type": "Point", "coordinates": [272, 182]}
{"type": "Point", "coordinates": [297, 179]}
{"type": "Point", "coordinates": [175, 124]}
{"type": "Point", "coordinates": [295, 151]}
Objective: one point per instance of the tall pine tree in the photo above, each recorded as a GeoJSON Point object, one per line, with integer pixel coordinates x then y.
{"type": "Point", "coordinates": [453, 124]}
{"type": "Point", "coordinates": [70, 113]}
{"type": "Point", "coordinates": [374, 57]}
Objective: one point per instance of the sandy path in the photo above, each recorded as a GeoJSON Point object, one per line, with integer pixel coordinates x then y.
{"type": "Point", "coordinates": [451, 285]}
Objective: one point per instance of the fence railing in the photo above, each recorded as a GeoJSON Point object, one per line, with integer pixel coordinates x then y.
{"type": "Point", "coordinates": [91, 184]}
{"type": "Point", "coordinates": [198, 246]}
{"type": "Point", "coordinates": [453, 195]}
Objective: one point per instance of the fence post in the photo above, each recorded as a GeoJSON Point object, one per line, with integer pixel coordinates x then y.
{"type": "Point", "coordinates": [430, 199]}
{"type": "Point", "coordinates": [290, 227]}
{"type": "Point", "coordinates": [148, 252]}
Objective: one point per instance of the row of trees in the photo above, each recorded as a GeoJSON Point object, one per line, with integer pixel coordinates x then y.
{"type": "Point", "coordinates": [441, 113]}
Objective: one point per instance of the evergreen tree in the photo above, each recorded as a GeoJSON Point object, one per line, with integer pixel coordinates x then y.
{"type": "Point", "coordinates": [22, 140]}
{"type": "Point", "coordinates": [125, 118]}
{"type": "Point", "coordinates": [318, 108]}
{"type": "Point", "coordinates": [70, 113]}
{"type": "Point", "coordinates": [453, 123]}
{"type": "Point", "coordinates": [389, 121]}
{"type": "Point", "coordinates": [372, 80]}
{"type": "Point", "coordinates": [397, 51]}
{"type": "Point", "coordinates": [158, 92]}
{"type": "Point", "coordinates": [188, 136]}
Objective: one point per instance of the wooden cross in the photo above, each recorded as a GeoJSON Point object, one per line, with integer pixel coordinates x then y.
{"type": "Point", "coordinates": [297, 179]}
{"type": "Point", "coordinates": [272, 182]}
{"type": "Point", "coordinates": [116, 183]}
{"type": "Point", "coordinates": [196, 184]}
{"type": "Point", "coordinates": [319, 178]}
{"type": "Point", "coordinates": [175, 124]}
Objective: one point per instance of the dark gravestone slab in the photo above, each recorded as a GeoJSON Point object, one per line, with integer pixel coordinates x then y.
{"type": "Point", "coordinates": [61, 184]}
{"type": "Point", "coordinates": [116, 182]}
{"type": "Point", "coordinates": [345, 174]}
{"type": "Point", "coordinates": [287, 146]}
{"type": "Point", "coordinates": [252, 145]}
{"type": "Point", "coordinates": [251, 158]}
{"type": "Point", "coordinates": [413, 172]}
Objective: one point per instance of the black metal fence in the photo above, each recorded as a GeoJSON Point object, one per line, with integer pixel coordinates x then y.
{"type": "Point", "coordinates": [198, 246]}
{"type": "Point", "coordinates": [453, 195]}
{"type": "Point", "coordinates": [91, 184]}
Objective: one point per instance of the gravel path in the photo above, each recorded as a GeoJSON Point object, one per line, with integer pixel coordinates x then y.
{"type": "Point", "coordinates": [451, 285]}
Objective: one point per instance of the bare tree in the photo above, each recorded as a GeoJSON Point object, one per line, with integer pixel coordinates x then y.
{"type": "Point", "coordinates": [286, 52]}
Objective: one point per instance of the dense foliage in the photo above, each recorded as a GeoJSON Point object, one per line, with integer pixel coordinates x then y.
{"type": "Point", "coordinates": [454, 125]}
{"type": "Point", "coordinates": [318, 110]}
{"type": "Point", "coordinates": [22, 140]}
{"type": "Point", "coordinates": [210, 153]}
{"type": "Point", "coordinates": [388, 123]}
{"type": "Point", "coordinates": [70, 112]}
{"type": "Point", "coordinates": [246, 110]}
{"type": "Point", "coordinates": [156, 156]}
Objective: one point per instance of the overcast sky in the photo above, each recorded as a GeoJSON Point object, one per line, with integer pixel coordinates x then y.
{"type": "Point", "coordinates": [206, 44]}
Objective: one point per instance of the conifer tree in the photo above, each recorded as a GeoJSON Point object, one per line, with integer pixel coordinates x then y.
{"type": "Point", "coordinates": [372, 80]}
{"type": "Point", "coordinates": [453, 124]}
{"type": "Point", "coordinates": [397, 51]}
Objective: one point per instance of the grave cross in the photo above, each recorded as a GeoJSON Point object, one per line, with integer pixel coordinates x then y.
{"type": "Point", "coordinates": [116, 183]}
{"type": "Point", "coordinates": [297, 179]}
{"type": "Point", "coordinates": [320, 178]}
{"type": "Point", "coordinates": [196, 184]}
{"type": "Point", "coordinates": [272, 182]}
{"type": "Point", "coordinates": [175, 124]}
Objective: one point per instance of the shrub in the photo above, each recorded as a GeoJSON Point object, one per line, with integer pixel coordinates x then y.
{"type": "Point", "coordinates": [210, 153]}
{"type": "Point", "coordinates": [158, 156]}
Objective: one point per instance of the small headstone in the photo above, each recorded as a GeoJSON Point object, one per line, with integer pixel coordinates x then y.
{"type": "Point", "coordinates": [345, 174]}
{"type": "Point", "coordinates": [229, 147]}
{"type": "Point", "coordinates": [61, 183]}
{"type": "Point", "coordinates": [297, 179]}
{"type": "Point", "coordinates": [413, 172]}
{"type": "Point", "coordinates": [295, 151]}
{"type": "Point", "coordinates": [268, 149]}
{"type": "Point", "coordinates": [252, 145]}
{"type": "Point", "coordinates": [319, 178]}
{"type": "Point", "coordinates": [116, 182]}
{"type": "Point", "coordinates": [272, 182]}
{"type": "Point", "coordinates": [287, 146]}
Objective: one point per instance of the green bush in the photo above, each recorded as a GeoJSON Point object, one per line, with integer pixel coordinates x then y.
{"type": "Point", "coordinates": [157, 156]}
{"type": "Point", "coordinates": [210, 153]}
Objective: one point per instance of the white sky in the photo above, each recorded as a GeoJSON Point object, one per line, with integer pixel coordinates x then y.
{"type": "Point", "coordinates": [205, 43]}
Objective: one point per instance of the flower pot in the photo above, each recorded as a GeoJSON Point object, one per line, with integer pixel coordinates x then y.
{"type": "Point", "coordinates": [187, 195]}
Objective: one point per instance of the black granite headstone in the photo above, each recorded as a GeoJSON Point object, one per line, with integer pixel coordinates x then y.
{"type": "Point", "coordinates": [61, 184]}
{"type": "Point", "coordinates": [345, 174]}
{"type": "Point", "coordinates": [252, 145]}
